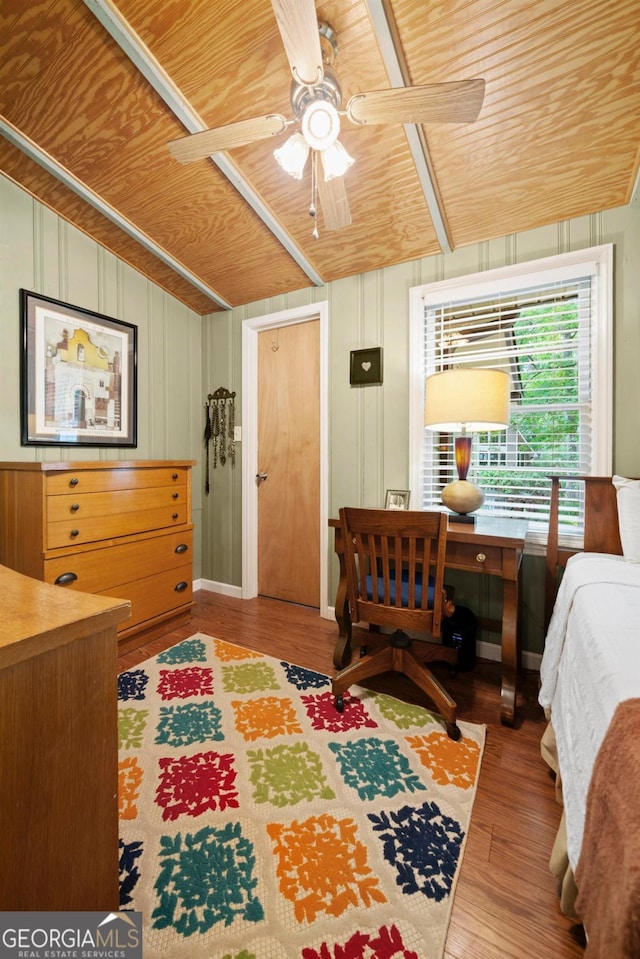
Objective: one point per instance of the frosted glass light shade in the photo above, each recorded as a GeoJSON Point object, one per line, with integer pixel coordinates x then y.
{"type": "Point", "coordinates": [467, 400]}
{"type": "Point", "coordinates": [292, 155]}
{"type": "Point", "coordinates": [335, 161]}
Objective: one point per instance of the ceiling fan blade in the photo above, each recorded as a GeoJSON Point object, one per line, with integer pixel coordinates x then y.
{"type": "Point", "coordinates": [298, 25]}
{"type": "Point", "coordinates": [199, 145]}
{"type": "Point", "coordinates": [333, 203]}
{"type": "Point", "coordinates": [456, 102]}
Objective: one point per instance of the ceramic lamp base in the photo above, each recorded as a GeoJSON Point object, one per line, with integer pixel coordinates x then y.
{"type": "Point", "coordinates": [463, 497]}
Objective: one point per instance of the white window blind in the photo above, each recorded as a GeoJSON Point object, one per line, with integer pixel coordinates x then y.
{"type": "Point", "coordinates": [545, 328]}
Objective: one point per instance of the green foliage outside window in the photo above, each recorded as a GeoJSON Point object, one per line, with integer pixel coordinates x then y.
{"type": "Point", "coordinates": [544, 435]}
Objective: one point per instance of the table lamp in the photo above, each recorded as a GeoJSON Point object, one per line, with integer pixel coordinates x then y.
{"type": "Point", "coordinates": [466, 401]}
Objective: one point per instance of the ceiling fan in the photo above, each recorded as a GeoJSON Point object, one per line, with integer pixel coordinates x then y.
{"type": "Point", "coordinates": [316, 101]}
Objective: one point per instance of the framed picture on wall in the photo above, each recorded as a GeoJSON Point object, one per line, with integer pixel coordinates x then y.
{"type": "Point", "coordinates": [78, 376]}
{"type": "Point", "coordinates": [366, 367]}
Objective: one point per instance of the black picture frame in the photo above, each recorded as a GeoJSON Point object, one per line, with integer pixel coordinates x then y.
{"type": "Point", "coordinates": [78, 376]}
{"type": "Point", "coordinates": [366, 367]}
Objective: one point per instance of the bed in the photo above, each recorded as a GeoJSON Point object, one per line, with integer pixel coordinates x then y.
{"type": "Point", "coordinates": [590, 690]}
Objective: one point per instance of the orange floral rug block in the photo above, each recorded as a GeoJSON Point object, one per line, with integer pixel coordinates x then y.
{"type": "Point", "coordinates": [258, 822]}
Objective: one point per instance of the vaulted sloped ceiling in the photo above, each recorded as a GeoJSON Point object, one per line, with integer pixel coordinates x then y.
{"type": "Point", "coordinates": [91, 93]}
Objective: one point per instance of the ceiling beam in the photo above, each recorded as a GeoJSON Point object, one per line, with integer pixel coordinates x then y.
{"type": "Point", "coordinates": [140, 55]}
{"type": "Point", "coordinates": [635, 192]}
{"type": "Point", "coordinates": [43, 159]}
{"type": "Point", "coordinates": [386, 31]}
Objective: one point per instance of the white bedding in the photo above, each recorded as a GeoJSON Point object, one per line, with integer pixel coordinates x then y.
{"type": "Point", "coordinates": [591, 662]}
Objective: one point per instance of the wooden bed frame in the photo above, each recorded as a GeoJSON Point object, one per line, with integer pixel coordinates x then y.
{"type": "Point", "coordinates": [601, 534]}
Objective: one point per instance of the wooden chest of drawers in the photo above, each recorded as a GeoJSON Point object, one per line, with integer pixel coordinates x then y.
{"type": "Point", "coordinates": [116, 528]}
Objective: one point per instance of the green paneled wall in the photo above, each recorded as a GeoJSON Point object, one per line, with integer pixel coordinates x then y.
{"type": "Point", "coordinates": [182, 357]}
{"type": "Point", "coordinates": [41, 252]}
{"type": "Point", "coordinates": [369, 428]}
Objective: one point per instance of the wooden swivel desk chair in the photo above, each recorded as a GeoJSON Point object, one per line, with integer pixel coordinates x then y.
{"type": "Point", "coordinates": [378, 544]}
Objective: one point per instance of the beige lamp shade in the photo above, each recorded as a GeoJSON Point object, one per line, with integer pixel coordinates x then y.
{"type": "Point", "coordinates": [467, 400]}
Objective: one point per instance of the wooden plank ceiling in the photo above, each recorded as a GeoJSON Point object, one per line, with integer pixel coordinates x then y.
{"type": "Point", "coordinates": [86, 133]}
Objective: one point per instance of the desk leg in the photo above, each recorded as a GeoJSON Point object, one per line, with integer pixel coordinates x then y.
{"type": "Point", "coordinates": [342, 651]}
{"type": "Point", "coordinates": [509, 651]}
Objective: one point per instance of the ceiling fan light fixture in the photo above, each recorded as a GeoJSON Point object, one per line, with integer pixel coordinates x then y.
{"type": "Point", "coordinates": [320, 124]}
{"type": "Point", "coordinates": [335, 161]}
{"type": "Point", "coordinates": [292, 155]}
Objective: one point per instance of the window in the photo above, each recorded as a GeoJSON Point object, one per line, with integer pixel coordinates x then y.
{"type": "Point", "coordinates": [548, 323]}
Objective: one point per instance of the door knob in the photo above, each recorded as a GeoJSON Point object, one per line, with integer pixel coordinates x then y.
{"type": "Point", "coordinates": [261, 477]}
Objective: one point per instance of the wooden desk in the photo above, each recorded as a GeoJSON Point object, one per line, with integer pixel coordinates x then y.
{"type": "Point", "coordinates": [492, 546]}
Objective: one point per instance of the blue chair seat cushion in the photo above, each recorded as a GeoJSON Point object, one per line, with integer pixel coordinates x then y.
{"type": "Point", "coordinates": [404, 590]}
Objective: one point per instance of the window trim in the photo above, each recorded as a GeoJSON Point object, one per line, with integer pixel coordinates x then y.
{"type": "Point", "coordinates": [598, 261]}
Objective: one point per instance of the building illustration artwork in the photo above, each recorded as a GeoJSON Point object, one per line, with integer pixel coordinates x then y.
{"type": "Point", "coordinates": [82, 379]}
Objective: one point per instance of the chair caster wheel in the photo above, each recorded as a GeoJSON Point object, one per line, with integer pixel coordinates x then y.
{"type": "Point", "coordinates": [453, 731]}
{"type": "Point", "coordinates": [339, 703]}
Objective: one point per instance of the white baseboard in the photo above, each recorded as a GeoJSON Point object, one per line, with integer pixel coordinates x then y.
{"type": "Point", "coordinates": [531, 660]}
{"type": "Point", "coordinates": [490, 651]}
{"type": "Point", "coordinates": [211, 586]}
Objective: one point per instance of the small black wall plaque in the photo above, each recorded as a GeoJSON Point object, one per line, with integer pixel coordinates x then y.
{"type": "Point", "coordinates": [366, 367]}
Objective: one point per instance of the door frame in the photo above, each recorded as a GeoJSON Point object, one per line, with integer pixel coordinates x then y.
{"type": "Point", "coordinates": [250, 330]}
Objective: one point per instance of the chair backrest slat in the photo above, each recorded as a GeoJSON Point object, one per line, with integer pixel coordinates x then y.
{"type": "Point", "coordinates": [426, 564]}
{"type": "Point", "coordinates": [362, 562]}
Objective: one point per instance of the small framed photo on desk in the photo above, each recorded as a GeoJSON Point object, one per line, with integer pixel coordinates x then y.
{"type": "Point", "coordinates": [397, 499]}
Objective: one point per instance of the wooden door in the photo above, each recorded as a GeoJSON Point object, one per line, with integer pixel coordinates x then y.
{"type": "Point", "coordinates": [289, 458]}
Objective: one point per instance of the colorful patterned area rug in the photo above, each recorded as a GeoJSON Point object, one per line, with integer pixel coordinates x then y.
{"type": "Point", "coordinates": [258, 822]}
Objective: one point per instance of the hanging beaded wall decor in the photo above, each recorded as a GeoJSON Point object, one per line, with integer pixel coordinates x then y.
{"type": "Point", "coordinates": [219, 430]}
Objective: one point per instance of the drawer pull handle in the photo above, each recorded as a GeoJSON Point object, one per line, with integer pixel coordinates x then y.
{"type": "Point", "coordinates": [65, 578]}
{"type": "Point", "coordinates": [481, 558]}
{"type": "Point", "coordinates": [75, 507]}
{"type": "Point", "coordinates": [74, 481]}
{"type": "Point", "coordinates": [181, 548]}
{"type": "Point", "coordinates": [174, 515]}
{"type": "Point", "coordinates": [180, 587]}
{"type": "Point", "coordinates": [74, 532]}
{"type": "Point", "coordinates": [175, 495]}
{"type": "Point", "coordinates": [175, 476]}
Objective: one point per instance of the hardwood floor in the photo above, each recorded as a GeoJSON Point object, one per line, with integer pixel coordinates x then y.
{"type": "Point", "coordinates": [505, 905]}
